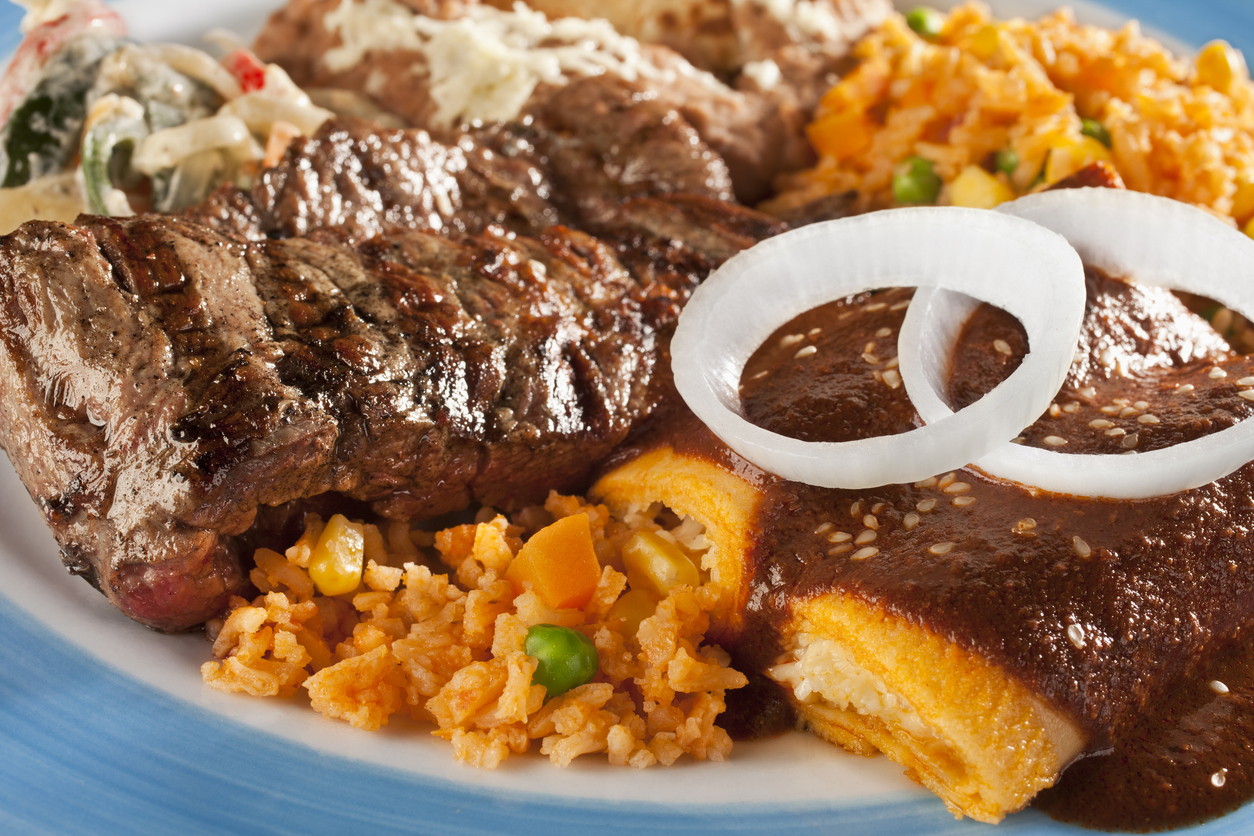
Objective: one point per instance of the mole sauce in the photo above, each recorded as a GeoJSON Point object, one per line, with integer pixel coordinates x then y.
{"type": "Point", "coordinates": [1188, 759]}
{"type": "Point", "coordinates": [1104, 608]}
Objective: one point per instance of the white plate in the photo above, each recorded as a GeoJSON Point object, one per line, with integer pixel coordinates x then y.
{"type": "Point", "coordinates": [105, 726]}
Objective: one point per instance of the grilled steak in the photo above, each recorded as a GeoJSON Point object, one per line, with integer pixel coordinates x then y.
{"type": "Point", "coordinates": [164, 379]}
{"type": "Point", "coordinates": [558, 166]}
{"type": "Point", "coordinates": [172, 380]}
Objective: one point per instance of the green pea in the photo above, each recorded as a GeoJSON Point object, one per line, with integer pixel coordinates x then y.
{"type": "Point", "coordinates": [1095, 129]}
{"type": "Point", "coordinates": [916, 182]}
{"type": "Point", "coordinates": [567, 657]}
{"type": "Point", "coordinates": [926, 21]}
{"type": "Point", "coordinates": [1006, 161]}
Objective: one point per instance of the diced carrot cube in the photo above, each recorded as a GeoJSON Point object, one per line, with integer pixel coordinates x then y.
{"type": "Point", "coordinates": [559, 564]}
{"type": "Point", "coordinates": [841, 134]}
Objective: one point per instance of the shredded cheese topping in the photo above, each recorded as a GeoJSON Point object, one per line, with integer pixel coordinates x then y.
{"type": "Point", "coordinates": [807, 17]}
{"type": "Point", "coordinates": [486, 64]}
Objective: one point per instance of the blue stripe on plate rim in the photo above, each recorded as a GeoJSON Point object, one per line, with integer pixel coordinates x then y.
{"type": "Point", "coordinates": [85, 748]}
{"type": "Point", "coordinates": [153, 764]}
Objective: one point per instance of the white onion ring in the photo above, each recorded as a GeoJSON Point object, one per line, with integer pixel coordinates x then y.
{"type": "Point", "coordinates": [1013, 264]}
{"type": "Point", "coordinates": [1153, 241]}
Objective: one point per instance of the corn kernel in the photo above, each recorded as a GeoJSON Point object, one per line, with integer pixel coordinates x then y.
{"type": "Point", "coordinates": [1219, 65]}
{"type": "Point", "coordinates": [976, 188]}
{"type": "Point", "coordinates": [655, 564]}
{"type": "Point", "coordinates": [337, 561]}
{"type": "Point", "coordinates": [1071, 155]}
{"type": "Point", "coordinates": [633, 607]}
{"type": "Point", "coordinates": [984, 42]}
{"type": "Point", "coordinates": [1243, 199]}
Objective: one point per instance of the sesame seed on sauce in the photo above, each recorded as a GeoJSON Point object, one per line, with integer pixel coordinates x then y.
{"type": "Point", "coordinates": [758, 376]}
{"type": "Point", "coordinates": [1248, 394]}
{"type": "Point", "coordinates": [1054, 440]}
{"type": "Point", "coordinates": [1088, 392]}
{"type": "Point", "coordinates": [839, 537]}
{"type": "Point", "coordinates": [926, 505]}
{"type": "Point", "coordinates": [926, 483]}
{"type": "Point", "coordinates": [869, 346]}
{"type": "Point", "coordinates": [789, 340]}
{"type": "Point", "coordinates": [875, 306]}
{"type": "Point", "coordinates": [1002, 347]}
{"type": "Point", "coordinates": [805, 352]}
{"type": "Point", "coordinates": [877, 507]}
{"type": "Point", "coordinates": [1130, 441]}
{"type": "Point", "coordinates": [1101, 424]}
{"type": "Point", "coordinates": [1024, 526]}
{"type": "Point", "coordinates": [1141, 404]}
{"type": "Point", "coordinates": [1122, 402]}
{"type": "Point", "coordinates": [1071, 407]}
{"type": "Point", "coordinates": [947, 480]}
{"type": "Point", "coordinates": [1054, 410]}
{"type": "Point", "coordinates": [814, 332]}
{"type": "Point", "coordinates": [1115, 432]}
{"type": "Point", "coordinates": [855, 510]}
{"type": "Point", "coordinates": [1082, 549]}
{"type": "Point", "coordinates": [824, 528]}
{"type": "Point", "coordinates": [957, 487]}
{"type": "Point", "coordinates": [884, 332]}
{"type": "Point", "coordinates": [1218, 687]}
{"type": "Point", "coordinates": [892, 378]}
{"type": "Point", "coordinates": [900, 306]}
{"type": "Point", "coordinates": [1018, 440]}
{"type": "Point", "coordinates": [835, 550]}
{"type": "Point", "coordinates": [1185, 389]}
{"type": "Point", "coordinates": [1246, 381]}
{"type": "Point", "coordinates": [871, 522]}
{"type": "Point", "coordinates": [870, 358]}
{"type": "Point", "coordinates": [963, 501]}
{"type": "Point", "coordinates": [865, 537]}
{"type": "Point", "coordinates": [1075, 635]}
{"type": "Point", "coordinates": [891, 363]}
{"type": "Point", "coordinates": [863, 554]}
{"type": "Point", "coordinates": [1217, 373]}
{"type": "Point", "coordinates": [1219, 778]}
{"type": "Point", "coordinates": [910, 520]}
{"type": "Point", "coordinates": [1112, 410]}
{"type": "Point", "coordinates": [1128, 410]}
{"type": "Point", "coordinates": [1147, 418]}
{"type": "Point", "coordinates": [940, 548]}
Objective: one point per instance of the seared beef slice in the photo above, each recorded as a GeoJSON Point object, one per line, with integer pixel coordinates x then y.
{"type": "Point", "coordinates": [160, 381]}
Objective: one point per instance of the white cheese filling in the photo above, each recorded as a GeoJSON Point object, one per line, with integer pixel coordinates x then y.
{"type": "Point", "coordinates": [821, 669]}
